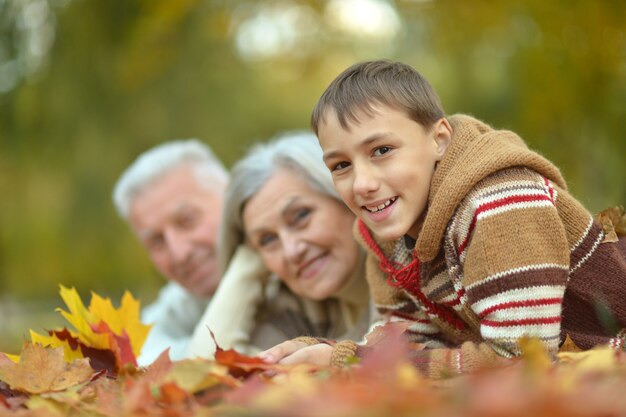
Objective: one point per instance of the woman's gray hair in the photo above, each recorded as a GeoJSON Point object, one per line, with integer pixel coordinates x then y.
{"type": "Point", "coordinates": [298, 151]}
{"type": "Point", "coordinates": [162, 159]}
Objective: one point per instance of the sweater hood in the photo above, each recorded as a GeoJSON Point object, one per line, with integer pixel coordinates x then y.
{"type": "Point", "coordinates": [475, 152]}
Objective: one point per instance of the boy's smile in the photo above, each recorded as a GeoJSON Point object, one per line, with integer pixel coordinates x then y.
{"type": "Point", "coordinates": [382, 166]}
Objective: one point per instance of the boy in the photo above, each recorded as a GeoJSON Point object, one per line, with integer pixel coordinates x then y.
{"type": "Point", "coordinates": [471, 237]}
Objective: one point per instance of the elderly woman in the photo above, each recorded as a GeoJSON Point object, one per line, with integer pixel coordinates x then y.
{"type": "Point", "coordinates": [292, 265]}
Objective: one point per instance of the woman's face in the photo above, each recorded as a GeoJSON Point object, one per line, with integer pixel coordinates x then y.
{"type": "Point", "coordinates": [303, 235]}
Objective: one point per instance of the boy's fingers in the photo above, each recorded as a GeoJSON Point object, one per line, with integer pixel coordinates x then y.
{"type": "Point", "coordinates": [277, 353]}
{"type": "Point", "coordinates": [315, 355]}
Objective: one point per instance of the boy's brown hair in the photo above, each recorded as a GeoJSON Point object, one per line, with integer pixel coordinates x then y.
{"type": "Point", "coordinates": [365, 84]}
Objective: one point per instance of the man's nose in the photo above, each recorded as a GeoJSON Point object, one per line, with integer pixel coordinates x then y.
{"type": "Point", "coordinates": [178, 245]}
{"type": "Point", "coordinates": [365, 180]}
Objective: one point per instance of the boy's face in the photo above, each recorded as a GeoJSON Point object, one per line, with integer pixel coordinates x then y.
{"type": "Point", "coordinates": [383, 165]}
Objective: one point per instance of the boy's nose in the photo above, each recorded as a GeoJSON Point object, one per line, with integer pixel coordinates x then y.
{"type": "Point", "coordinates": [365, 181]}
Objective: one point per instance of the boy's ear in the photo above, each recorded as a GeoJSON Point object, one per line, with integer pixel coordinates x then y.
{"type": "Point", "coordinates": [443, 136]}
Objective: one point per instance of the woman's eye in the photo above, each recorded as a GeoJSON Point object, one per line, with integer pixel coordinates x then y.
{"type": "Point", "coordinates": [341, 165]}
{"type": "Point", "coordinates": [301, 214]}
{"type": "Point", "coordinates": [381, 150]}
{"type": "Point", "coordinates": [266, 240]}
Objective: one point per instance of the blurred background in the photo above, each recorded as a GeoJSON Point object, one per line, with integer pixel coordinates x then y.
{"type": "Point", "coordinates": [86, 85]}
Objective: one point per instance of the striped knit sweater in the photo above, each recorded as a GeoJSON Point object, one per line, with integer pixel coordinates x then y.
{"type": "Point", "coordinates": [504, 252]}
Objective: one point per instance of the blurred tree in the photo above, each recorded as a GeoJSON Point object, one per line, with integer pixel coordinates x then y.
{"type": "Point", "coordinates": [123, 76]}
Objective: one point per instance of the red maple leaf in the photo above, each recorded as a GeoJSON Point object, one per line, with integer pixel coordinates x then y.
{"type": "Point", "coordinates": [99, 359]}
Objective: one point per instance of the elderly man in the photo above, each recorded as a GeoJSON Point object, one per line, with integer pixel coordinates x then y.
{"type": "Point", "coordinates": [172, 197]}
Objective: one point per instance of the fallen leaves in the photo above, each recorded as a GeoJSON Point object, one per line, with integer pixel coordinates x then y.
{"type": "Point", "coordinates": [47, 382]}
{"type": "Point", "coordinates": [110, 337]}
{"type": "Point", "coordinates": [44, 370]}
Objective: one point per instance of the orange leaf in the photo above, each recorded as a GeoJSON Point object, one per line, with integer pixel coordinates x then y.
{"type": "Point", "coordinates": [242, 366]}
{"type": "Point", "coordinates": [239, 366]}
{"type": "Point", "coordinates": [173, 394]}
{"type": "Point", "coordinates": [44, 370]}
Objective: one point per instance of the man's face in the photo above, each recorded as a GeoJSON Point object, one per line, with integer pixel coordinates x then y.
{"type": "Point", "coordinates": [177, 218]}
{"type": "Point", "coordinates": [382, 167]}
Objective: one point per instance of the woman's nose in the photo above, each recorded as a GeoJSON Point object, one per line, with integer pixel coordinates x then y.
{"type": "Point", "coordinates": [294, 246]}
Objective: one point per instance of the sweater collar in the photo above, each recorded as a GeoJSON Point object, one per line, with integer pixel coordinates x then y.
{"type": "Point", "coordinates": [476, 151]}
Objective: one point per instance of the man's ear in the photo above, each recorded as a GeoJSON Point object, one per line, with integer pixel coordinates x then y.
{"type": "Point", "coordinates": [442, 132]}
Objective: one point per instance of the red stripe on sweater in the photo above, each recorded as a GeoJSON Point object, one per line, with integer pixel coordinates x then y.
{"type": "Point", "coordinates": [550, 189]}
{"type": "Point", "coordinates": [521, 322]}
{"type": "Point", "coordinates": [498, 204]}
{"type": "Point", "coordinates": [459, 294]}
{"type": "Point", "coordinates": [525, 303]}
{"type": "Point", "coordinates": [410, 317]}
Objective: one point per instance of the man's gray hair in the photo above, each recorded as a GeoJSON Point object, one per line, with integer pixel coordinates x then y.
{"type": "Point", "coordinates": [162, 159]}
{"type": "Point", "coordinates": [298, 151]}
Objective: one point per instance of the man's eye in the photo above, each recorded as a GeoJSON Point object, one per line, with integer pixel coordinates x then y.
{"type": "Point", "coordinates": [155, 242]}
{"type": "Point", "coordinates": [341, 165]}
{"type": "Point", "coordinates": [188, 220]}
{"type": "Point", "coordinates": [381, 150]}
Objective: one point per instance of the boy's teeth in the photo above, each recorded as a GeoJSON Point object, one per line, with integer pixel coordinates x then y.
{"type": "Point", "coordinates": [378, 208]}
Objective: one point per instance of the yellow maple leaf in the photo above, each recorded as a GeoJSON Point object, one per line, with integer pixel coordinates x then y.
{"type": "Point", "coordinates": [54, 342]}
{"type": "Point", "coordinates": [101, 327]}
{"type": "Point", "coordinates": [82, 319]}
{"type": "Point", "coordinates": [125, 319]}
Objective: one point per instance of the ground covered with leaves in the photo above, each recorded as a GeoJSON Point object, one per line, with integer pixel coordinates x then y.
{"type": "Point", "coordinates": [90, 370]}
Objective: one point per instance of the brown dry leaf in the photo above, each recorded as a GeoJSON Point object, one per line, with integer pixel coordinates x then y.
{"type": "Point", "coordinates": [195, 375]}
{"type": "Point", "coordinates": [613, 222]}
{"type": "Point", "coordinates": [44, 370]}
{"type": "Point", "coordinates": [390, 330]}
{"type": "Point", "coordinates": [107, 397]}
{"type": "Point", "coordinates": [159, 368]}
{"type": "Point", "coordinates": [569, 346]}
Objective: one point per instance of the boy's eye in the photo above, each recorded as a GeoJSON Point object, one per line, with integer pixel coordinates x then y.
{"type": "Point", "coordinates": [341, 165]}
{"type": "Point", "coordinates": [381, 150]}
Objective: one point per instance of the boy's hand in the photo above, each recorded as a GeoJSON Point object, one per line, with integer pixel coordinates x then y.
{"type": "Point", "coordinates": [293, 352]}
